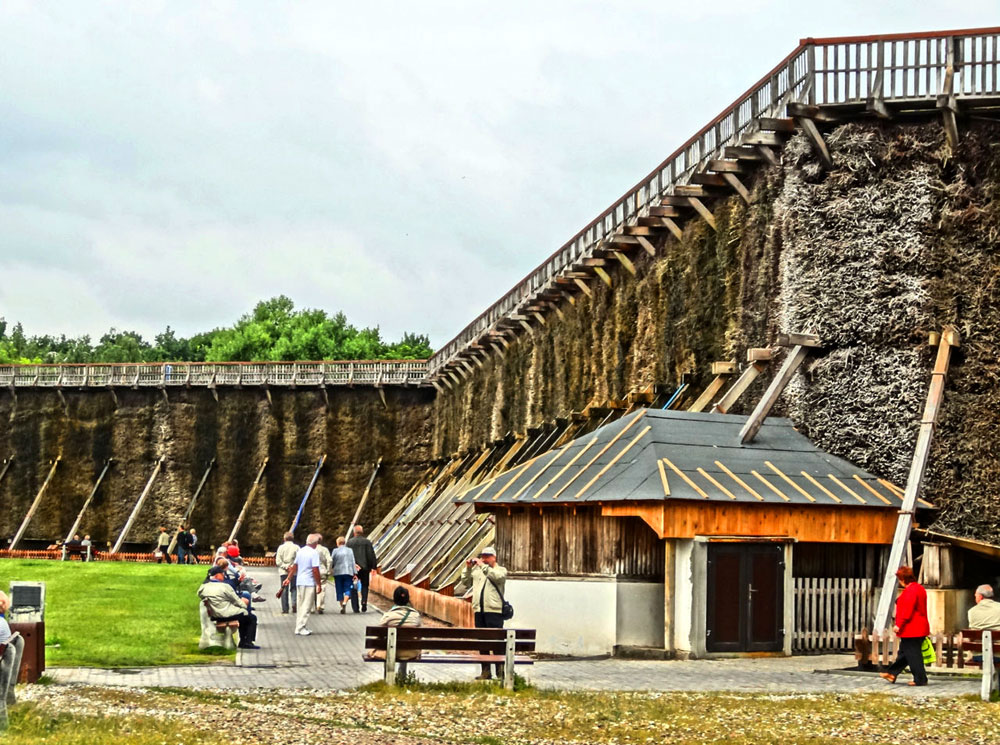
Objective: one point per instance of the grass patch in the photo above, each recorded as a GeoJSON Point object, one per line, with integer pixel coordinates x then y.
{"type": "Point", "coordinates": [117, 614]}
{"type": "Point", "coordinates": [31, 724]}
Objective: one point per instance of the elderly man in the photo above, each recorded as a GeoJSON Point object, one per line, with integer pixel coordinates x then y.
{"type": "Point", "coordinates": [308, 582]}
{"type": "Point", "coordinates": [985, 614]}
{"type": "Point", "coordinates": [284, 557]}
{"type": "Point", "coordinates": [487, 579]}
{"type": "Point", "coordinates": [325, 567]}
{"type": "Point", "coordinates": [365, 562]}
{"type": "Point", "coordinates": [223, 604]}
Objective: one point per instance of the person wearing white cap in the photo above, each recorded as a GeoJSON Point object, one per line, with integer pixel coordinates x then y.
{"type": "Point", "coordinates": [487, 579]}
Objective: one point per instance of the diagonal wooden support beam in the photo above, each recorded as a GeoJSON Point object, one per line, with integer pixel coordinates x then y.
{"type": "Point", "coordinates": [34, 506]}
{"type": "Point", "coordinates": [138, 505]}
{"type": "Point", "coordinates": [734, 182]}
{"type": "Point", "coordinates": [309, 490]}
{"type": "Point", "coordinates": [710, 392]}
{"type": "Point", "coordinates": [792, 363]}
{"type": "Point", "coordinates": [819, 144]}
{"type": "Point", "coordinates": [585, 287]}
{"type": "Point", "coordinates": [915, 480]}
{"type": "Point", "coordinates": [737, 389]}
{"type": "Point", "coordinates": [704, 211]}
{"type": "Point", "coordinates": [946, 101]}
{"type": "Point", "coordinates": [249, 500]}
{"type": "Point", "coordinates": [86, 504]}
{"type": "Point", "coordinates": [647, 246]}
{"type": "Point", "coordinates": [605, 277]}
{"type": "Point", "coordinates": [625, 262]}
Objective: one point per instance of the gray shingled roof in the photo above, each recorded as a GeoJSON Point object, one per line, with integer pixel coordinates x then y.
{"type": "Point", "coordinates": [653, 455]}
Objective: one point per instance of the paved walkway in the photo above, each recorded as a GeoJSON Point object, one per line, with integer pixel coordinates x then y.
{"type": "Point", "coordinates": [331, 659]}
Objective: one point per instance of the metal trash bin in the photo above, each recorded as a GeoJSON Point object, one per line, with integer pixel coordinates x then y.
{"type": "Point", "coordinates": [27, 615]}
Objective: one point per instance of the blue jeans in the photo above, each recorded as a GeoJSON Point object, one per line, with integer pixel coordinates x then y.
{"type": "Point", "coordinates": [343, 584]}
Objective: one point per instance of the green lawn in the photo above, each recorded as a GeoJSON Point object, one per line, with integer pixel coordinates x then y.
{"type": "Point", "coordinates": [116, 614]}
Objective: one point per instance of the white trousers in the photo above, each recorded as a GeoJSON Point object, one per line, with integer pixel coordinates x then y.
{"type": "Point", "coordinates": [306, 601]}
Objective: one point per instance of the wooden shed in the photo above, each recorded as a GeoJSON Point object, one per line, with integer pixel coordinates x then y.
{"type": "Point", "coordinates": [662, 531]}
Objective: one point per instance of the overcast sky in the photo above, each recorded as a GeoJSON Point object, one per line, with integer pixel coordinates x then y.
{"type": "Point", "coordinates": [171, 163]}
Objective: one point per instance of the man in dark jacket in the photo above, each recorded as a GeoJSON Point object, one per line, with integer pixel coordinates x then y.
{"type": "Point", "coordinates": [365, 562]}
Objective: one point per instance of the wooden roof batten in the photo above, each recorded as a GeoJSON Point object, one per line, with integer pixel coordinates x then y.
{"type": "Point", "coordinates": [821, 80]}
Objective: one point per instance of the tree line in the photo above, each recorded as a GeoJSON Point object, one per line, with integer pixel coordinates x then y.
{"type": "Point", "coordinates": [274, 330]}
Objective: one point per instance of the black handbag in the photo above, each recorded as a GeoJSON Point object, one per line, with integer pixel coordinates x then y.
{"type": "Point", "coordinates": [507, 610]}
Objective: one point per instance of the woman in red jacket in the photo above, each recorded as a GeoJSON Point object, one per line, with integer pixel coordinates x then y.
{"type": "Point", "coordinates": [911, 628]}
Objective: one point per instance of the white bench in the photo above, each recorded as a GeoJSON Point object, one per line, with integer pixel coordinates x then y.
{"type": "Point", "coordinates": [216, 634]}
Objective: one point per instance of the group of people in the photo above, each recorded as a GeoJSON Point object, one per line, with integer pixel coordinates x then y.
{"type": "Point", "coordinates": [184, 541]}
{"type": "Point", "coordinates": [306, 570]}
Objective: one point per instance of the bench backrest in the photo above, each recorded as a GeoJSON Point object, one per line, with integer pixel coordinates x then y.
{"type": "Point", "coordinates": [3, 647]}
{"type": "Point", "coordinates": [971, 640]}
{"type": "Point", "coordinates": [450, 639]}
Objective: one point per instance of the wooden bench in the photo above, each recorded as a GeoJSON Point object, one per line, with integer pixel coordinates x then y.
{"type": "Point", "coordinates": [223, 629]}
{"type": "Point", "coordinates": [450, 646]}
{"type": "Point", "coordinates": [68, 552]}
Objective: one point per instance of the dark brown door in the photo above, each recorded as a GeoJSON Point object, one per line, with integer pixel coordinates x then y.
{"type": "Point", "coordinates": [745, 597]}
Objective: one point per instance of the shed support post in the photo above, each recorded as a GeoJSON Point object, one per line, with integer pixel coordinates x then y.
{"type": "Point", "coordinates": [914, 482]}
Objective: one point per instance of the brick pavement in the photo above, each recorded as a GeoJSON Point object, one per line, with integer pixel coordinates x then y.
{"type": "Point", "coordinates": [331, 659]}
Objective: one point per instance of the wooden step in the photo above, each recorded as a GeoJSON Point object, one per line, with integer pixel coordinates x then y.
{"type": "Point", "coordinates": [655, 222]}
{"type": "Point", "coordinates": [742, 153]}
{"type": "Point", "coordinates": [684, 190]}
{"type": "Point", "coordinates": [725, 166]}
{"type": "Point", "coordinates": [664, 210]}
{"type": "Point", "coordinates": [709, 179]}
{"type": "Point", "coordinates": [763, 138]}
{"type": "Point", "coordinates": [770, 124]}
{"type": "Point", "coordinates": [675, 201]}
{"type": "Point", "coordinates": [640, 230]}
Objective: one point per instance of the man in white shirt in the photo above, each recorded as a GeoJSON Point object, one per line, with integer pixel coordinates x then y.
{"type": "Point", "coordinates": [308, 582]}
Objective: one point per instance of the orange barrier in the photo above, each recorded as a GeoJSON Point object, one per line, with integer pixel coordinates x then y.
{"type": "Point", "coordinates": [454, 611]}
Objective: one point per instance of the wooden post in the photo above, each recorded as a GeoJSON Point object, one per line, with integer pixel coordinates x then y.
{"type": "Point", "coordinates": [138, 506]}
{"type": "Point", "coordinates": [946, 100]}
{"type": "Point", "coordinates": [792, 362]}
{"type": "Point", "coordinates": [305, 498]}
{"type": "Point", "coordinates": [737, 389]}
{"type": "Point", "coordinates": [390, 656]}
{"type": "Point", "coordinates": [364, 498]}
{"type": "Point", "coordinates": [190, 507]}
{"type": "Point", "coordinates": [914, 482]}
{"type": "Point", "coordinates": [6, 466]}
{"type": "Point", "coordinates": [34, 506]}
{"type": "Point", "coordinates": [86, 504]}
{"type": "Point", "coordinates": [708, 394]}
{"type": "Point", "coordinates": [508, 667]}
{"type": "Point", "coordinates": [988, 684]}
{"type": "Point", "coordinates": [246, 504]}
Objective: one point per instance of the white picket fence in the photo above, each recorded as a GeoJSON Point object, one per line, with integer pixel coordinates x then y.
{"type": "Point", "coordinates": [829, 611]}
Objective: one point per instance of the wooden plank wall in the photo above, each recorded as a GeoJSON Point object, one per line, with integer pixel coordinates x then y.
{"type": "Point", "coordinates": [578, 542]}
{"type": "Point", "coordinates": [830, 611]}
{"type": "Point", "coordinates": [858, 560]}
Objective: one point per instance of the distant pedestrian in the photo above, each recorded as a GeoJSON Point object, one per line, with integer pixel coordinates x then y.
{"type": "Point", "coordinates": [192, 554]}
{"type": "Point", "coordinates": [343, 575]}
{"type": "Point", "coordinates": [487, 580]}
{"type": "Point", "coordinates": [307, 582]}
{"type": "Point", "coordinates": [162, 544]}
{"type": "Point", "coordinates": [180, 544]}
{"type": "Point", "coordinates": [284, 557]}
{"type": "Point", "coordinates": [325, 567]}
{"type": "Point", "coordinates": [365, 563]}
{"type": "Point", "coordinates": [911, 628]}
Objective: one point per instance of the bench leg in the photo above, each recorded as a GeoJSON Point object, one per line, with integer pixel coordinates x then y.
{"type": "Point", "coordinates": [390, 657]}
{"type": "Point", "coordinates": [508, 668]}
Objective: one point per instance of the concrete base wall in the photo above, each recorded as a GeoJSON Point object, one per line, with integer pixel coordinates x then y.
{"type": "Point", "coordinates": [639, 614]}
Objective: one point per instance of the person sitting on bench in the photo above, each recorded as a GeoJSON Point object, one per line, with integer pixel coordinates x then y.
{"type": "Point", "coordinates": [4, 626]}
{"type": "Point", "coordinates": [985, 614]}
{"type": "Point", "coordinates": [223, 604]}
{"type": "Point", "coordinates": [400, 614]}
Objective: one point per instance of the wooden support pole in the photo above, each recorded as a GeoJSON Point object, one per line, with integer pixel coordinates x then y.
{"type": "Point", "coordinates": [583, 286]}
{"type": "Point", "coordinates": [914, 482]}
{"type": "Point", "coordinates": [138, 506]}
{"type": "Point", "coordinates": [792, 362]}
{"type": "Point", "coordinates": [946, 101]}
{"type": "Point", "coordinates": [246, 504]}
{"type": "Point", "coordinates": [704, 211]}
{"type": "Point", "coordinates": [6, 467]}
{"type": "Point", "coordinates": [709, 393]}
{"type": "Point", "coordinates": [819, 144]}
{"type": "Point", "coordinates": [190, 507]}
{"type": "Point", "coordinates": [86, 504]}
{"type": "Point", "coordinates": [733, 180]}
{"type": "Point", "coordinates": [364, 498]}
{"type": "Point", "coordinates": [605, 277]}
{"type": "Point", "coordinates": [309, 490]}
{"type": "Point", "coordinates": [625, 262]}
{"type": "Point", "coordinates": [737, 389]}
{"type": "Point", "coordinates": [647, 245]}
{"type": "Point", "coordinates": [34, 506]}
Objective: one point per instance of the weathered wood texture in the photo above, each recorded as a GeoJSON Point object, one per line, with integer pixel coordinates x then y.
{"type": "Point", "coordinates": [830, 611]}
{"type": "Point", "coordinates": [816, 523]}
{"type": "Point", "coordinates": [569, 541]}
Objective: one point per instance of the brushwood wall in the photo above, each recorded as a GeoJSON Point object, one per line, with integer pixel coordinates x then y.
{"type": "Point", "coordinates": [898, 239]}
{"type": "Point", "coordinates": [191, 428]}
